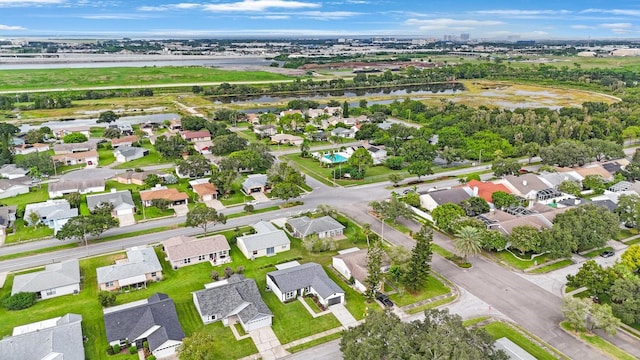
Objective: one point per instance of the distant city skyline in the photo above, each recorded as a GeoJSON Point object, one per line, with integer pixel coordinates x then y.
{"type": "Point", "coordinates": [497, 19]}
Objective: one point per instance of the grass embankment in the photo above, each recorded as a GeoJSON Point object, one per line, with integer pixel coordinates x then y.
{"type": "Point", "coordinates": [30, 79]}
{"type": "Point", "coordinates": [499, 330]}
{"type": "Point", "coordinates": [598, 343]}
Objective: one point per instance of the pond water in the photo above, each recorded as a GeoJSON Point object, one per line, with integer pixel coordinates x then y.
{"type": "Point", "coordinates": [398, 91]}
{"type": "Point", "coordinates": [131, 120]}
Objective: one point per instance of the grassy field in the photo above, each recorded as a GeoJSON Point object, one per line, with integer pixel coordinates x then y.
{"type": "Point", "coordinates": [124, 76]}
{"type": "Point", "coordinates": [154, 158]}
{"type": "Point", "coordinates": [499, 330]}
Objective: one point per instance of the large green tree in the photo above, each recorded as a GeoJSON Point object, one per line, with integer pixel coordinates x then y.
{"type": "Point", "coordinates": [604, 149]}
{"type": "Point", "coordinates": [419, 267]}
{"type": "Point", "coordinates": [194, 166]}
{"type": "Point", "coordinates": [420, 168]}
{"type": "Point", "coordinates": [566, 153]}
{"type": "Point", "coordinates": [374, 270]}
{"type": "Point", "coordinates": [223, 180]}
{"type": "Point", "coordinates": [75, 138]}
{"type": "Point", "coordinates": [439, 336]}
{"type": "Point", "coordinates": [286, 191]}
{"type": "Point", "coordinates": [597, 279]}
{"type": "Point", "coordinates": [199, 346]}
{"type": "Point", "coordinates": [503, 167]}
{"type": "Point", "coordinates": [446, 215]}
{"type": "Point", "coordinates": [203, 216]}
{"type": "Point", "coordinates": [361, 159]}
{"type": "Point", "coordinates": [80, 227]}
{"type": "Point", "coordinates": [525, 238]}
{"type": "Point", "coordinates": [172, 147]}
{"type": "Point", "coordinates": [629, 210]}
{"type": "Point", "coordinates": [107, 117]}
{"type": "Point", "coordinates": [625, 297]}
{"type": "Point", "coordinates": [391, 210]}
{"type": "Point", "coordinates": [631, 257]}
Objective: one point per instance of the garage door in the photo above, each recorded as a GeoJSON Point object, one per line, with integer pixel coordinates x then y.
{"type": "Point", "coordinates": [333, 301]}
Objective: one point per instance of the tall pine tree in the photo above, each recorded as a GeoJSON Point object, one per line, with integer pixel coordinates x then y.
{"type": "Point", "coordinates": [420, 263]}
{"type": "Point", "coordinates": [374, 264]}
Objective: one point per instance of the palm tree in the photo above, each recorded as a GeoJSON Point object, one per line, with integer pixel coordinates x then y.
{"type": "Point", "coordinates": [366, 231]}
{"type": "Point", "coordinates": [467, 241]}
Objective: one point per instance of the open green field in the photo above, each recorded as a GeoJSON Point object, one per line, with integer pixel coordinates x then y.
{"type": "Point", "coordinates": [31, 79]}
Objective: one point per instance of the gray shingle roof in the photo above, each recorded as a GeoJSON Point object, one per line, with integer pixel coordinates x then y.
{"type": "Point", "coordinates": [129, 151]}
{"type": "Point", "coordinates": [132, 322]}
{"type": "Point", "coordinates": [62, 341]}
{"type": "Point", "coordinates": [53, 276]}
{"type": "Point", "coordinates": [455, 196]}
{"type": "Point", "coordinates": [301, 276]}
{"type": "Point", "coordinates": [267, 236]}
{"type": "Point", "coordinates": [254, 181]}
{"type": "Point", "coordinates": [119, 199]}
{"type": "Point", "coordinates": [306, 226]}
{"type": "Point", "coordinates": [239, 296]}
{"type": "Point", "coordinates": [74, 185]}
{"type": "Point", "coordinates": [140, 262]}
{"type": "Point", "coordinates": [51, 210]}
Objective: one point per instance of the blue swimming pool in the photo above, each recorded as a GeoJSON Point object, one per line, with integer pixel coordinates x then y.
{"type": "Point", "coordinates": [335, 158]}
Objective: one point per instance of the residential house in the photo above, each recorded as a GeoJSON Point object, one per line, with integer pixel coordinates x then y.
{"type": "Point", "coordinates": [24, 149]}
{"type": "Point", "coordinates": [184, 250]}
{"type": "Point", "coordinates": [205, 190]}
{"type": "Point", "coordinates": [11, 171]}
{"type": "Point", "coordinates": [353, 264]}
{"type": "Point", "coordinates": [175, 124]}
{"type": "Point", "coordinates": [265, 130]}
{"type": "Point", "coordinates": [90, 158]}
{"type": "Point", "coordinates": [153, 138]}
{"type": "Point", "coordinates": [286, 139]}
{"type": "Point", "coordinates": [324, 227]}
{"type": "Point", "coordinates": [378, 153]}
{"type": "Point", "coordinates": [7, 218]}
{"type": "Point", "coordinates": [63, 187]}
{"type": "Point", "coordinates": [614, 166]}
{"type": "Point", "coordinates": [52, 339]}
{"type": "Point", "coordinates": [13, 187]}
{"type": "Point", "coordinates": [128, 153]}
{"type": "Point", "coordinates": [203, 147]}
{"type": "Point", "coordinates": [525, 185]}
{"type": "Point", "coordinates": [140, 266]}
{"type": "Point", "coordinates": [292, 280]}
{"type": "Point", "coordinates": [433, 199]}
{"type": "Point", "coordinates": [61, 149]}
{"type": "Point", "coordinates": [200, 135]}
{"type": "Point", "coordinates": [539, 216]}
{"type": "Point", "coordinates": [52, 213]}
{"type": "Point", "coordinates": [344, 133]}
{"type": "Point", "coordinates": [125, 128]}
{"type": "Point", "coordinates": [162, 192]}
{"type": "Point", "coordinates": [485, 190]}
{"type": "Point", "coordinates": [291, 112]}
{"type": "Point", "coordinates": [589, 169]}
{"type": "Point", "coordinates": [137, 178]}
{"type": "Point", "coordinates": [124, 141]}
{"type": "Point", "coordinates": [252, 118]}
{"type": "Point", "coordinates": [267, 241]}
{"type": "Point", "coordinates": [154, 321]}
{"type": "Point", "coordinates": [255, 183]}
{"type": "Point", "coordinates": [554, 179]}
{"type": "Point", "coordinates": [61, 132]}
{"type": "Point", "coordinates": [122, 202]}
{"type": "Point", "coordinates": [232, 300]}
{"type": "Point", "coordinates": [57, 279]}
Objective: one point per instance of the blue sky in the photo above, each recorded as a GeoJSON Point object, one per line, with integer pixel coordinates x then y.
{"type": "Point", "coordinates": [542, 19]}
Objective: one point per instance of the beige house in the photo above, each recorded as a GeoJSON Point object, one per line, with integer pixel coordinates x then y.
{"type": "Point", "coordinates": [185, 250]}
{"type": "Point", "coordinates": [90, 158]}
{"type": "Point", "coordinates": [140, 266]}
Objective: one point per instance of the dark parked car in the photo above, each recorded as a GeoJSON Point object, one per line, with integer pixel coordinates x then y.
{"type": "Point", "coordinates": [607, 253]}
{"type": "Point", "coordinates": [384, 299]}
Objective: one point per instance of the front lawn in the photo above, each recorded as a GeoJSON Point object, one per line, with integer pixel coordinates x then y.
{"type": "Point", "coordinates": [434, 288]}
{"type": "Point", "coordinates": [524, 261]}
{"type": "Point", "coordinates": [499, 330]}
{"type": "Point", "coordinates": [552, 267]}
{"type": "Point", "coordinates": [152, 212]}
{"type": "Point", "coordinates": [23, 232]}
{"type": "Point", "coordinates": [106, 157]}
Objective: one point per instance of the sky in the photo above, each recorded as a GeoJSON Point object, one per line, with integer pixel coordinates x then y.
{"type": "Point", "coordinates": [482, 19]}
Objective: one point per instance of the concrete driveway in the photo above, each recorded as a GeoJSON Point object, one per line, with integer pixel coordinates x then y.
{"type": "Point", "coordinates": [267, 343]}
{"type": "Point", "coordinates": [181, 210]}
{"type": "Point", "coordinates": [343, 315]}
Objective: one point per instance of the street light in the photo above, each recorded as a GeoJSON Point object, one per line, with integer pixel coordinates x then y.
{"type": "Point", "coordinates": [480, 157]}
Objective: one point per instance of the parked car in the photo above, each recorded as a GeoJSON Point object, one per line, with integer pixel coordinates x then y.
{"type": "Point", "coordinates": [607, 253]}
{"type": "Point", "coordinates": [384, 299]}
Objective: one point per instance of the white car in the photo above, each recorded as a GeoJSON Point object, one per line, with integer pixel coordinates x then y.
{"type": "Point", "coordinates": [252, 202]}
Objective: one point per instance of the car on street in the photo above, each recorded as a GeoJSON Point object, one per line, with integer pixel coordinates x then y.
{"type": "Point", "coordinates": [607, 253]}
{"type": "Point", "coordinates": [384, 299]}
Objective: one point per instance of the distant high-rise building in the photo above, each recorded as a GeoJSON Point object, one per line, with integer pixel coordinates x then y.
{"type": "Point", "coordinates": [464, 37]}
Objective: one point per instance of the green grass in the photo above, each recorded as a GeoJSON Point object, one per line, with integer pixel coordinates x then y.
{"type": "Point", "coordinates": [259, 211]}
{"type": "Point", "coordinates": [599, 343]}
{"type": "Point", "coordinates": [434, 288]}
{"type": "Point", "coordinates": [22, 232]}
{"type": "Point", "coordinates": [312, 305]}
{"type": "Point", "coordinates": [633, 242]}
{"type": "Point", "coordinates": [625, 233]}
{"type": "Point", "coordinates": [87, 78]}
{"type": "Point", "coordinates": [105, 157]}
{"type": "Point", "coordinates": [152, 212]}
{"type": "Point", "coordinates": [431, 305]}
{"type": "Point", "coordinates": [312, 343]}
{"type": "Point", "coordinates": [551, 267]}
{"type": "Point", "coordinates": [499, 330]}
{"type": "Point", "coordinates": [508, 258]}
{"type": "Point", "coordinates": [35, 195]}
{"type": "Point", "coordinates": [154, 158]}
{"type": "Point", "coordinates": [441, 251]}
{"type": "Point", "coordinates": [474, 321]}
{"type": "Point", "coordinates": [597, 252]}
{"type": "Point", "coordinates": [135, 233]}
{"type": "Point", "coordinates": [39, 251]}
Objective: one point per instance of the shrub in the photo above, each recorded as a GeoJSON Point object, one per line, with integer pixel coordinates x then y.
{"type": "Point", "coordinates": [106, 298]}
{"type": "Point", "coordinates": [116, 349]}
{"type": "Point", "coordinates": [240, 270]}
{"type": "Point", "coordinates": [132, 349]}
{"type": "Point", "coordinates": [109, 350]}
{"type": "Point", "coordinates": [151, 357]}
{"type": "Point", "coordinates": [145, 345]}
{"type": "Point", "coordinates": [215, 275]}
{"type": "Point", "coordinates": [228, 272]}
{"type": "Point", "coordinates": [19, 301]}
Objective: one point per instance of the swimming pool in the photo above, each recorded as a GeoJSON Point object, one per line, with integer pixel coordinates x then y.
{"type": "Point", "coordinates": [335, 158]}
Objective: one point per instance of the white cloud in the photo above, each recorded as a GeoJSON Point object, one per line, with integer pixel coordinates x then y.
{"type": "Point", "coordinates": [259, 5]}
{"type": "Point", "coordinates": [114, 17]}
{"type": "Point", "coordinates": [179, 6]}
{"type": "Point", "coordinates": [616, 26]}
{"type": "Point", "coordinates": [328, 15]}
{"type": "Point", "coordinates": [625, 12]}
{"type": "Point", "coordinates": [271, 17]}
{"type": "Point", "coordinates": [9, 27]}
{"type": "Point", "coordinates": [29, 3]}
{"type": "Point", "coordinates": [515, 12]}
{"type": "Point", "coordinates": [582, 27]}
{"type": "Point", "coordinates": [451, 24]}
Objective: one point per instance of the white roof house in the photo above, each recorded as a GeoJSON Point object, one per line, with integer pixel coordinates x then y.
{"type": "Point", "coordinates": [55, 280]}
{"type": "Point", "coordinates": [267, 241]}
{"type": "Point", "coordinates": [141, 265]}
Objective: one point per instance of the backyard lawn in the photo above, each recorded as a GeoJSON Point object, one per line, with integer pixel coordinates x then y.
{"type": "Point", "coordinates": [36, 195]}
{"type": "Point", "coordinates": [106, 157]}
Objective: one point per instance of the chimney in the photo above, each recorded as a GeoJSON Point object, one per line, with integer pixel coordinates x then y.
{"type": "Point", "coordinates": [475, 191]}
{"type": "Point", "coordinates": [524, 182]}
